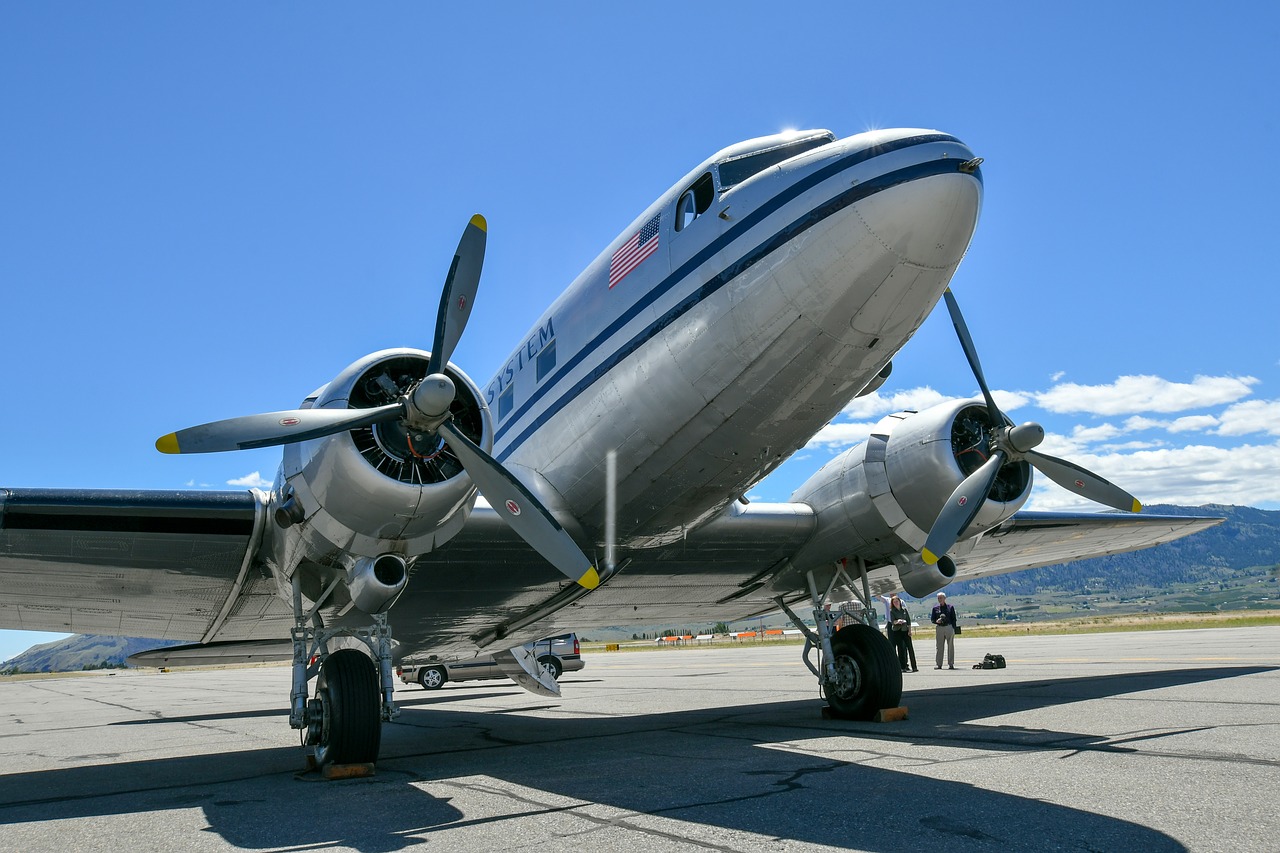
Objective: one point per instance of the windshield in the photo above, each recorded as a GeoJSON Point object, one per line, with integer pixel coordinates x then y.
{"type": "Point", "coordinates": [738, 169]}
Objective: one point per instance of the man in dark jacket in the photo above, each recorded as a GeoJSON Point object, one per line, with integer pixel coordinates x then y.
{"type": "Point", "coordinates": [943, 617]}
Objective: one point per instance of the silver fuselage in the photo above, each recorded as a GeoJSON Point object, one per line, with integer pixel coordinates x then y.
{"type": "Point", "coordinates": [741, 336]}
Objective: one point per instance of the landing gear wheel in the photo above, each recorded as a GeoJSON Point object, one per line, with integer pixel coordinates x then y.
{"type": "Point", "coordinates": [551, 664]}
{"type": "Point", "coordinates": [868, 675]}
{"type": "Point", "coordinates": [349, 702]}
{"type": "Point", "coordinates": [432, 677]}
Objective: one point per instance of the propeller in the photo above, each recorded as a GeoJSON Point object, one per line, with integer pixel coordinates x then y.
{"type": "Point", "coordinates": [424, 407]}
{"type": "Point", "coordinates": [1010, 444]}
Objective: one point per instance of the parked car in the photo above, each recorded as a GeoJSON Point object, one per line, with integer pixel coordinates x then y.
{"type": "Point", "coordinates": [557, 655]}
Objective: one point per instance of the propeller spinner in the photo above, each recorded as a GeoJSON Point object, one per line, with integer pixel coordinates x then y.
{"type": "Point", "coordinates": [1009, 444]}
{"type": "Point", "coordinates": [424, 407]}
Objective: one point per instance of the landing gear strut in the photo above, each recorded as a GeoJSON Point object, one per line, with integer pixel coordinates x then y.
{"type": "Point", "coordinates": [343, 721]}
{"type": "Point", "coordinates": [857, 670]}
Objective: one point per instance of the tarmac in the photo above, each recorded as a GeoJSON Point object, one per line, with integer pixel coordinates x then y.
{"type": "Point", "coordinates": [1150, 741]}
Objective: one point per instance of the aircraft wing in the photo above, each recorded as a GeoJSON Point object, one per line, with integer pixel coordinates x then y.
{"type": "Point", "coordinates": [706, 579]}
{"type": "Point", "coordinates": [179, 565]}
{"type": "Point", "coordinates": [1029, 540]}
{"type": "Point", "coordinates": [733, 568]}
{"type": "Point", "coordinates": [158, 564]}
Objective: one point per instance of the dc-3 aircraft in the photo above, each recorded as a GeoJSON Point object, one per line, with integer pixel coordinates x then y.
{"type": "Point", "coordinates": [723, 328]}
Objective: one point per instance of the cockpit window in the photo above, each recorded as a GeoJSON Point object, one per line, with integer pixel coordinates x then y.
{"type": "Point", "coordinates": [695, 201]}
{"type": "Point", "coordinates": [738, 169]}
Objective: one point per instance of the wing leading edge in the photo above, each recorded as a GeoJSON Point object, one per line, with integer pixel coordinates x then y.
{"type": "Point", "coordinates": [1029, 540]}
{"type": "Point", "coordinates": [168, 565]}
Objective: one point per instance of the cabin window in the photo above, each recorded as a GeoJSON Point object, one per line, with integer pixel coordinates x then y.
{"type": "Point", "coordinates": [695, 201]}
{"type": "Point", "coordinates": [546, 359]}
{"type": "Point", "coordinates": [506, 401]}
{"type": "Point", "coordinates": [738, 169]}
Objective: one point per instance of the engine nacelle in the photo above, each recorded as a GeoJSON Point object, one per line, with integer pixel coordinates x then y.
{"type": "Point", "coordinates": [880, 498]}
{"type": "Point", "coordinates": [382, 489]}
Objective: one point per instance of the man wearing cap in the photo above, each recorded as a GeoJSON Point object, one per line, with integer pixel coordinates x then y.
{"type": "Point", "coordinates": [943, 617]}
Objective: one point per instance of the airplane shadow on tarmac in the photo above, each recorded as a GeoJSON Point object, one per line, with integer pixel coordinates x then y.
{"type": "Point", "coordinates": [702, 767]}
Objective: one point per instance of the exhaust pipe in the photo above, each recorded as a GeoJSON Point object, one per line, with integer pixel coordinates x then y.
{"type": "Point", "coordinates": [919, 579]}
{"type": "Point", "coordinates": [376, 582]}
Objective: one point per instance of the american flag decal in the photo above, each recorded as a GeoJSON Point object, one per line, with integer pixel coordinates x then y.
{"type": "Point", "coordinates": [641, 245]}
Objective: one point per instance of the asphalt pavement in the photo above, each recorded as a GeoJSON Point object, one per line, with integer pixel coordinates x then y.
{"type": "Point", "coordinates": [1150, 741]}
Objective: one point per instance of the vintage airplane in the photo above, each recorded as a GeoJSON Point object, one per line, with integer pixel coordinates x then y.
{"type": "Point", "coordinates": [715, 336]}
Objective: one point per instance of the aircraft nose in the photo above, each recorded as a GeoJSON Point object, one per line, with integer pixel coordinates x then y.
{"type": "Point", "coordinates": [928, 220]}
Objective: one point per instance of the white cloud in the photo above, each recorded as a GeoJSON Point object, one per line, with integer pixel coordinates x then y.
{"type": "Point", "coordinates": [1193, 423]}
{"type": "Point", "coordinates": [839, 435]}
{"type": "Point", "coordinates": [1138, 450]}
{"type": "Point", "coordinates": [1130, 445]}
{"type": "Point", "coordinates": [1079, 441]}
{"type": "Point", "coordinates": [1102, 432]}
{"type": "Point", "coordinates": [874, 405]}
{"type": "Point", "coordinates": [253, 481]}
{"type": "Point", "coordinates": [1191, 476]}
{"type": "Point", "coordinates": [1131, 394]}
{"type": "Point", "coordinates": [1251, 416]}
{"type": "Point", "coordinates": [1188, 423]}
{"type": "Point", "coordinates": [1010, 400]}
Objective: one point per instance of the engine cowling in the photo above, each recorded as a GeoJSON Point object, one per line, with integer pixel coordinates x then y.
{"type": "Point", "coordinates": [381, 489]}
{"type": "Point", "coordinates": [879, 498]}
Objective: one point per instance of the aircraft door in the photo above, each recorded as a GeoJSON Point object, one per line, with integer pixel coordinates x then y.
{"type": "Point", "coordinates": [694, 226]}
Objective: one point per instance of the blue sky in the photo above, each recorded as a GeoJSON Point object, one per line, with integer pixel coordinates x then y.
{"type": "Point", "coordinates": [208, 210]}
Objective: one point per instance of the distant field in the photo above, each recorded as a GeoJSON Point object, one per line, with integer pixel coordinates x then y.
{"type": "Point", "coordinates": [1077, 625]}
{"type": "Point", "coordinates": [1133, 622]}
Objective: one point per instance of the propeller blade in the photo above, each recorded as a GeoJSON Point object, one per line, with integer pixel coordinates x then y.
{"type": "Point", "coordinates": [459, 292]}
{"type": "Point", "coordinates": [520, 509]}
{"type": "Point", "coordinates": [959, 511]}
{"type": "Point", "coordinates": [271, 428]}
{"type": "Point", "coordinates": [1082, 482]}
{"type": "Point", "coordinates": [971, 353]}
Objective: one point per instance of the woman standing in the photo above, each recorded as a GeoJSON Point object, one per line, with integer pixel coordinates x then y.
{"type": "Point", "coordinates": [900, 633]}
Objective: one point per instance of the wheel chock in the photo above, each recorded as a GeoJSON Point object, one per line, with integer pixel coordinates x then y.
{"type": "Point", "coordinates": [340, 771]}
{"type": "Point", "coordinates": [347, 771]}
{"type": "Point", "coordinates": [884, 715]}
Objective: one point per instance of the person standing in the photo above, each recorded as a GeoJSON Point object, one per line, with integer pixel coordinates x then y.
{"type": "Point", "coordinates": [943, 617]}
{"type": "Point", "coordinates": [900, 633]}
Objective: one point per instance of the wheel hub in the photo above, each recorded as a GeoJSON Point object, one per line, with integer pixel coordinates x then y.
{"type": "Point", "coordinates": [848, 677]}
{"type": "Point", "coordinates": [318, 719]}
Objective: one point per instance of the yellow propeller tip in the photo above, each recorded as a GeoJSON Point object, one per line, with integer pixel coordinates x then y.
{"type": "Point", "coordinates": [929, 557]}
{"type": "Point", "coordinates": [478, 221]}
{"type": "Point", "coordinates": [1137, 506]}
{"type": "Point", "coordinates": [590, 579]}
{"type": "Point", "coordinates": [168, 443]}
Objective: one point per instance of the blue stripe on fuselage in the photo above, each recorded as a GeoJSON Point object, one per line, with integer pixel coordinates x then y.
{"type": "Point", "coordinates": [862, 190]}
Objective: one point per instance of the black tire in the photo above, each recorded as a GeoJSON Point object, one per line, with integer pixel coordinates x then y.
{"type": "Point", "coordinates": [349, 691]}
{"type": "Point", "coordinates": [433, 677]}
{"type": "Point", "coordinates": [552, 663]}
{"type": "Point", "coordinates": [863, 653]}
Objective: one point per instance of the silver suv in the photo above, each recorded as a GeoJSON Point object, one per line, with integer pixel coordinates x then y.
{"type": "Point", "coordinates": [557, 655]}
